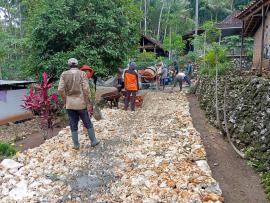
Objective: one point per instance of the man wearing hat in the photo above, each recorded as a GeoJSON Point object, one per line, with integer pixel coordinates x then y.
{"type": "Point", "coordinates": [74, 90]}
{"type": "Point", "coordinates": [131, 82]}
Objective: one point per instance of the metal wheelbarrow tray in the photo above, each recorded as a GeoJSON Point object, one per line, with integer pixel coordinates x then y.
{"type": "Point", "coordinates": [112, 97]}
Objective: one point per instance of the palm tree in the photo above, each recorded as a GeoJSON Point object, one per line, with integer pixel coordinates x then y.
{"type": "Point", "coordinates": [180, 19]}
{"type": "Point", "coordinates": [217, 7]}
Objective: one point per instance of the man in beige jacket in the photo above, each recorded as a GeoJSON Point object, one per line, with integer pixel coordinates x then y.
{"type": "Point", "coordinates": [74, 90]}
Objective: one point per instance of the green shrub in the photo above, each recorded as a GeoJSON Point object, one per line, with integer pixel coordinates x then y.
{"type": "Point", "coordinates": [7, 149]}
{"type": "Point", "coordinates": [146, 59]}
{"type": "Point", "coordinates": [98, 33]}
{"type": "Point", "coordinates": [223, 69]}
{"type": "Point", "coordinates": [192, 56]}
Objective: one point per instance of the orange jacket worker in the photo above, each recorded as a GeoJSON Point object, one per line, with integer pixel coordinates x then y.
{"type": "Point", "coordinates": [131, 82]}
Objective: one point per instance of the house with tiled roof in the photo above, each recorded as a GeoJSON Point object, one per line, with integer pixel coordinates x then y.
{"type": "Point", "coordinates": [228, 27]}
{"type": "Point", "coordinates": [149, 44]}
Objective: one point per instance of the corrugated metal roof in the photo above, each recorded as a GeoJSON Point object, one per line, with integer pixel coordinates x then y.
{"type": "Point", "coordinates": [15, 82]}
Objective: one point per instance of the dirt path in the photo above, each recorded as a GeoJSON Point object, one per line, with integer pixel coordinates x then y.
{"type": "Point", "coordinates": [239, 183]}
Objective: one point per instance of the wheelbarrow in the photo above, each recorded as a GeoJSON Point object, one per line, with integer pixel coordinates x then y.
{"type": "Point", "coordinates": [138, 99]}
{"type": "Point", "coordinates": [112, 98]}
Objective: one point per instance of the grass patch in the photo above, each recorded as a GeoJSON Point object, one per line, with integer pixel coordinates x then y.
{"type": "Point", "coordinates": [265, 179]}
{"type": "Point", "coordinates": [260, 166]}
{"type": "Point", "coordinates": [7, 149]}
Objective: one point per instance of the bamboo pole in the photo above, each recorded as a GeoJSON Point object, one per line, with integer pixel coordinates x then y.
{"type": "Point", "coordinates": [204, 48]}
{"type": "Point", "coordinates": [197, 17]}
{"type": "Point", "coordinates": [262, 45]}
{"type": "Point", "coordinates": [216, 91]}
{"type": "Point", "coordinates": [242, 43]}
{"type": "Point", "coordinates": [170, 53]}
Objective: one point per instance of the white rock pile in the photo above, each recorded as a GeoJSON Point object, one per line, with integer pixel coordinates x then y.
{"type": "Point", "coordinates": [153, 155]}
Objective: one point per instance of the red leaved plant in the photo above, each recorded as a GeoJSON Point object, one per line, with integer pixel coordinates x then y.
{"type": "Point", "coordinates": [41, 103]}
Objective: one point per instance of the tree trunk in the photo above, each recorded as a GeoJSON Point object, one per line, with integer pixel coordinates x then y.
{"type": "Point", "coordinates": [159, 20]}
{"type": "Point", "coordinates": [20, 20]}
{"type": "Point", "coordinates": [145, 14]}
{"type": "Point", "coordinates": [1, 73]}
{"type": "Point", "coordinates": [8, 7]}
{"type": "Point", "coordinates": [141, 20]}
{"type": "Point", "coordinates": [197, 17]}
{"type": "Point", "coordinates": [232, 5]}
{"type": "Point", "coordinates": [204, 48]}
{"type": "Point", "coordinates": [165, 33]}
{"type": "Point", "coordinates": [4, 27]}
{"type": "Point", "coordinates": [170, 52]}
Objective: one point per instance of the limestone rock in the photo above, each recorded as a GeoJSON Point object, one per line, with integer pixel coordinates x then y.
{"type": "Point", "coordinates": [153, 155]}
{"type": "Point", "coordinates": [11, 164]}
{"type": "Point", "coordinates": [20, 191]}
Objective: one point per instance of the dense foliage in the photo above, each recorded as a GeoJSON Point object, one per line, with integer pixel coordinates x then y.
{"type": "Point", "coordinates": [234, 42]}
{"type": "Point", "coordinates": [97, 33]}
{"type": "Point", "coordinates": [145, 59]}
{"type": "Point", "coordinates": [164, 16]}
{"type": "Point", "coordinates": [39, 35]}
{"type": "Point", "coordinates": [175, 45]}
{"type": "Point", "coordinates": [216, 57]}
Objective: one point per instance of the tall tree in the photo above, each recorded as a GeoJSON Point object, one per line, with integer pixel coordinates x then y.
{"type": "Point", "coordinates": [217, 7]}
{"type": "Point", "coordinates": [145, 16]}
{"type": "Point", "coordinates": [13, 42]}
{"type": "Point", "coordinates": [98, 33]}
{"type": "Point", "coordinates": [160, 17]}
{"type": "Point", "coordinates": [197, 17]}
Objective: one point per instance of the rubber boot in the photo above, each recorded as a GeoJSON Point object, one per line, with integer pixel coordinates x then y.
{"type": "Point", "coordinates": [75, 139]}
{"type": "Point", "coordinates": [92, 137]}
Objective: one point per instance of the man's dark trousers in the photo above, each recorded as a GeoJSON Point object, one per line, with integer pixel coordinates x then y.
{"type": "Point", "coordinates": [74, 117]}
{"type": "Point", "coordinates": [130, 97]}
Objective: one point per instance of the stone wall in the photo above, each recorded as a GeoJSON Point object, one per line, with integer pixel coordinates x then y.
{"type": "Point", "coordinates": [248, 113]}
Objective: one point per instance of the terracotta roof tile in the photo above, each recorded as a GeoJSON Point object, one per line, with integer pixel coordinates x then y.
{"type": "Point", "coordinates": [231, 21]}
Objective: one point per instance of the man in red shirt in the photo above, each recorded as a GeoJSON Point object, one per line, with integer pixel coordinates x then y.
{"type": "Point", "coordinates": [131, 82]}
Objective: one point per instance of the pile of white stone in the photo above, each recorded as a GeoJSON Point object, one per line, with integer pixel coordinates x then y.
{"type": "Point", "coordinates": [158, 155]}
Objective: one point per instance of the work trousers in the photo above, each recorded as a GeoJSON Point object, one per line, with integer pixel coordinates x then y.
{"type": "Point", "coordinates": [74, 117]}
{"type": "Point", "coordinates": [130, 97]}
{"type": "Point", "coordinates": [180, 81]}
{"type": "Point", "coordinates": [187, 80]}
{"type": "Point", "coordinates": [163, 82]}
